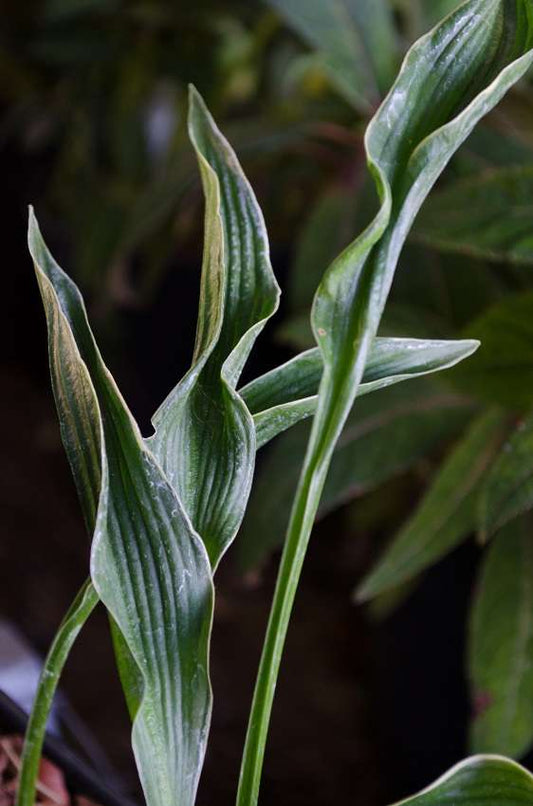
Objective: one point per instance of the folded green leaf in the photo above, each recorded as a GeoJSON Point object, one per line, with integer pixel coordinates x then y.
{"type": "Point", "coordinates": [488, 216]}
{"type": "Point", "coordinates": [355, 39]}
{"type": "Point", "coordinates": [502, 369]}
{"type": "Point", "coordinates": [287, 394]}
{"type": "Point", "coordinates": [501, 645]}
{"type": "Point", "coordinates": [386, 434]}
{"type": "Point", "coordinates": [490, 780]}
{"type": "Point", "coordinates": [205, 435]}
{"type": "Point", "coordinates": [508, 488]}
{"type": "Point", "coordinates": [447, 514]}
{"type": "Point", "coordinates": [148, 565]}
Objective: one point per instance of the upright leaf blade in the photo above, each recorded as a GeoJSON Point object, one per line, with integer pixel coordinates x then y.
{"type": "Point", "coordinates": [492, 780]}
{"type": "Point", "coordinates": [449, 80]}
{"type": "Point", "coordinates": [205, 435]}
{"type": "Point", "coordinates": [448, 512]}
{"type": "Point", "coordinates": [148, 565]}
{"type": "Point", "coordinates": [501, 645]}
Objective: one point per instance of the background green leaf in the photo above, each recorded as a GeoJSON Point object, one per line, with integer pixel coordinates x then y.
{"type": "Point", "coordinates": [492, 780]}
{"type": "Point", "coordinates": [448, 512]}
{"type": "Point", "coordinates": [488, 216]}
{"type": "Point", "coordinates": [502, 369]}
{"type": "Point", "coordinates": [501, 645]}
{"type": "Point", "coordinates": [355, 39]}
{"type": "Point", "coordinates": [508, 489]}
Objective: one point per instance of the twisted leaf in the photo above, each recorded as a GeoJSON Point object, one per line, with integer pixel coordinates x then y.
{"type": "Point", "coordinates": [148, 565]}
{"type": "Point", "coordinates": [449, 80]}
{"type": "Point", "coordinates": [205, 435]}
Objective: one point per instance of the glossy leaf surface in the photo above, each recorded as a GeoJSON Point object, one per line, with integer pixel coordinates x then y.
{"type": "Point", "coordinates": [490, 780]}
{"type": "Point", "coordinates": [148, 565]}
{"type": "Point", "coordinates": [448, 512]}
{"type": "Point", "coordinates": [501, 645]}
{"type": "Point", "coordinates": [205, 435]}
{"type": "Point", "coordinates": [287, 394]}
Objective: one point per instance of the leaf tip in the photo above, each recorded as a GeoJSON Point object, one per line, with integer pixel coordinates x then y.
{"type": "Point", "coordinates": [473, 344]}
{"type": "Point", "coordinates": [363, 593]}
{"type": "Point", "coordinates": [196, 102]}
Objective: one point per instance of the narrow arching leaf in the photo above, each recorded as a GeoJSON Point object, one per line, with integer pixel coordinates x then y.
{"type": "Point", "coordinates": [148, 565]}
{"type": "Point", "coordinates": [205, 435]}
{"type": "Point", "coordinates": [449, 80]}
{"type": "Point", "coordinates": [488, 216]}
{"type": "Point", "coordinates": [355, 40]}
{"type": "Point", "coordinates": [385, 435]}
{"type": "Point", "coordinates": [490, 780]}
{"type": "Point", "coordinates": [502, 369]}
{"type": "Point", "coordinates": [501, 645]}
{"type": "Point", "coordinates": [287, 394]}
{"type": "Point", "coordinates": [508, 488]}
{"type": "Point", "coordinates": [448, 512]}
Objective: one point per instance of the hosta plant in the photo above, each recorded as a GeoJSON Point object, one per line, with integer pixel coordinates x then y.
{"type": "Point", "coordinates": [467, 273]}
{"type": "Point", "coordinates": [162, 510]}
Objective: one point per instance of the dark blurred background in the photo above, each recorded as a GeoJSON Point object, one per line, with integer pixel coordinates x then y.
{"type": "Point", "coordinates": [93, 134]}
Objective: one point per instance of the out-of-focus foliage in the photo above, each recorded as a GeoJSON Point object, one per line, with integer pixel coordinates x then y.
{"type": "Point", "coordinates": [96, 91]}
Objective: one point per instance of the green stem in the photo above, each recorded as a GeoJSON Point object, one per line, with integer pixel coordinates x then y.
{"type": "Point", "coordinates": [303, 515]}
{"type": "Point", "coordinates": [78, 613]}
